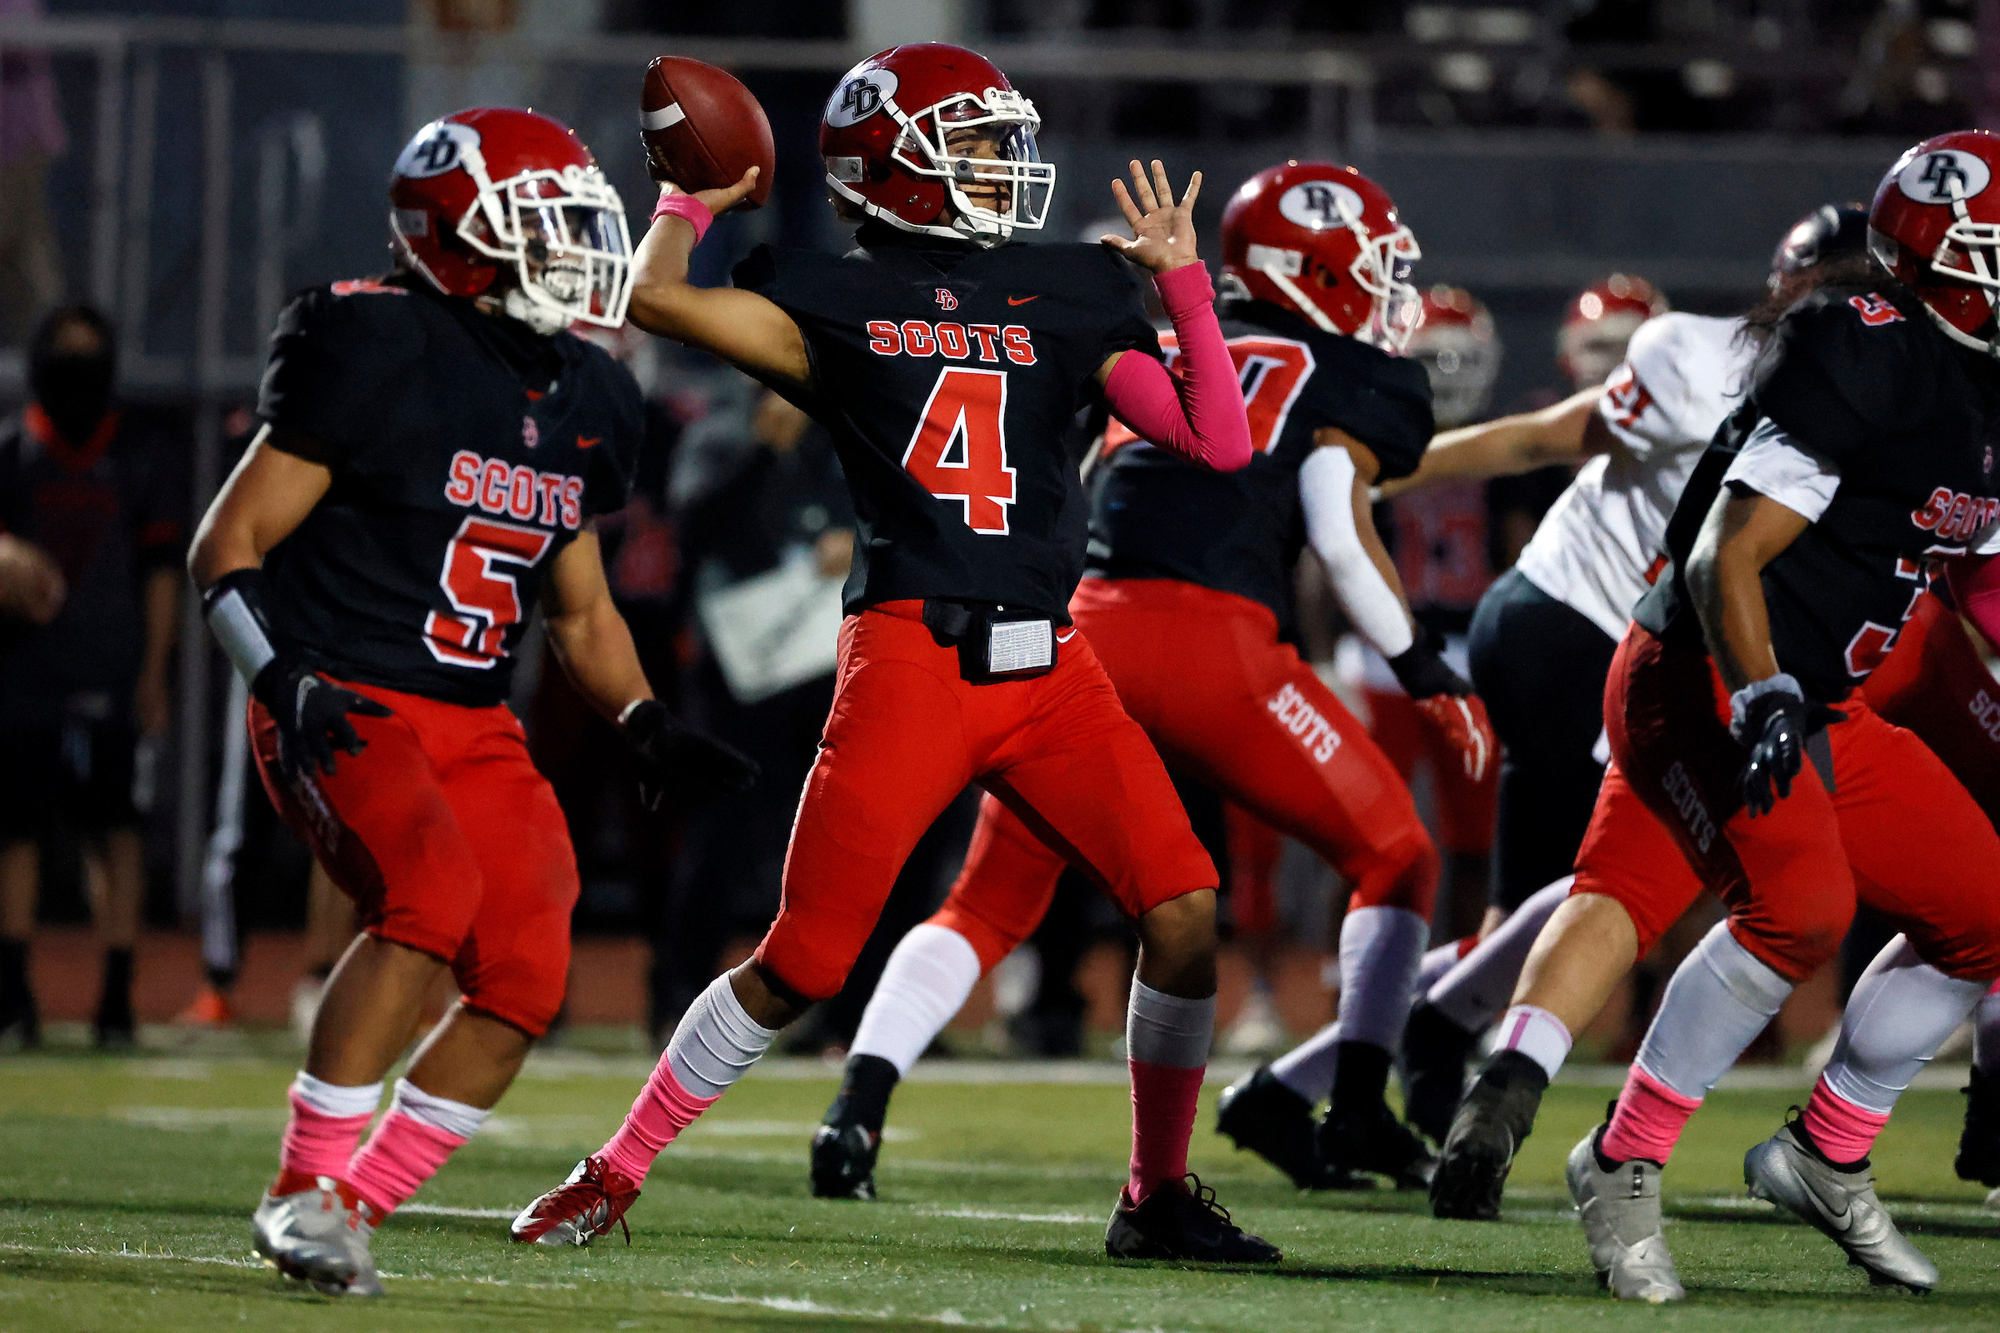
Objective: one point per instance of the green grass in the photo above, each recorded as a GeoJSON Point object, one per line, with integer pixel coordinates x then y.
{"type": "Point", "coordinates": [125, 1187]}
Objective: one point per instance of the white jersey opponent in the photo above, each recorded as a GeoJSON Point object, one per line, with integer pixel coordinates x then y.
{"type": "Point", "coordinates": [1681, 377]}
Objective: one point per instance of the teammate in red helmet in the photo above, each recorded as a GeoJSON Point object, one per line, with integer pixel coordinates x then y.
{"type": "Point", "coordinates": [1188, 601]}
{"type": "Point", "coordinates": [432, 455]}
{"type": "Point", "coordinates": [1600, 322]}
{"type": "Point", "coordinates": [1745, 756]}
{"type": "Point", "coordinates": [948, 363]}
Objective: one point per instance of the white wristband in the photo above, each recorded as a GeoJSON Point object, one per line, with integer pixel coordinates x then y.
{"type": "Point", "coordinates": [1739, 702]}
{"type": "Point", "coordinates": [241, 634]}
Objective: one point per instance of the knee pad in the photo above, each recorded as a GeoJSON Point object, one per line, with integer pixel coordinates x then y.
{"type": "Point", "coordinates": [1795, 938]}
{"type": "Point", "coordinates": [1403, 873]}
{"type": "Point", "coordinates": [525, 988]}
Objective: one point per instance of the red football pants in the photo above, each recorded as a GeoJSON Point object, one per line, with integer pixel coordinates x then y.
{"type": "Point", "coordinates": [449, 842]}
{"type": "Point", "coordinates": [1466, 808]}
{"type": "Point", "coordinates": [906, 735]}
{"type": "Point", "coordinates": [1897, 833]}
{"type": "Point", "coordinates": [1935, 684]}
{"type": "Point", "coordinates": [1204, 673]}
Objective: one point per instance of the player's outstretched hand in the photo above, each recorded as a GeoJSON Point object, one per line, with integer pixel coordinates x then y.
{"type": "Point", "coordinates": [1776, 726]}
{"type": "Point", "coordinates": [1162, 230]}
{"type": "Point", "coordinates": [311, 713]}
{"type": "Point", "coordinates": [1446, 703]}
{"type": "Point", "coordinates": [678, 763]}
{"type": "Point", "coordinates": [720, 201]}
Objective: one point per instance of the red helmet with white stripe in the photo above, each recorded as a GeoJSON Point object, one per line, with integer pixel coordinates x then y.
{"type": "Point", "coordinates": [1325, 241]}
{"type": "Point", "coordinates": [1600, 320]}
{"type": "Point", "coordinates": [1935, 225]}
{"type": "Point", "coordinates": [932, 138]}
{"type": "Point", "coordinates": [490, 189]}
{"type": "Point", "coordinates": [1460, 351]}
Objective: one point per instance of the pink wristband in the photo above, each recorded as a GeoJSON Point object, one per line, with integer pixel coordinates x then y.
{"type": "Point", "coordinates": [685, 206]}
{"type": "Point", "coordinates": [1183, 289]}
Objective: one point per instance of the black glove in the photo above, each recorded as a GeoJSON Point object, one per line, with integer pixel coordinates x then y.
{"type": "Point", "coordinates": [678, 764]}
{"type": "Point", "coordinates": [1424, 674]}
{"type": "Point", "coordinates": [1775, 727]}
{"type": "Point", "coordinates": [311, 713]}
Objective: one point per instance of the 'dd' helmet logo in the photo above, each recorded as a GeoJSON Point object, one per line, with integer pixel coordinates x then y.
{"type": "Point", "coordinates": [1321, 205]}
{"type": "Point", "coordinates": [438, 148]}
{"type": "Point", "coordinates": [1943, 177]}
{"type": "Point", "coordinates": [859, 97]}
{"type": "Point", "coordinates": [945, 300]}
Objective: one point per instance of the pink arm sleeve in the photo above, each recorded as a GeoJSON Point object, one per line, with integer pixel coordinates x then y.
{"type": "Point", "coordinates": [1198, 413]}
{"type": "Point", "coordinates": [1975, 582]}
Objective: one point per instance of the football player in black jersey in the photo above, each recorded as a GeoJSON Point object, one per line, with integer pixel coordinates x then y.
{"type": "Point", "coordinates": [1188, 601]}
{"type": "Point", "coordinates": [1745, 758]}
{"type": "Point", "coordinates": [433, 451]}
{"type": "Point", "coordinates": [948, 363]}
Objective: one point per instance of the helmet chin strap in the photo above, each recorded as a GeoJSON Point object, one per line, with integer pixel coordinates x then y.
{"type": "Point", "coordinates": [1298, 298]}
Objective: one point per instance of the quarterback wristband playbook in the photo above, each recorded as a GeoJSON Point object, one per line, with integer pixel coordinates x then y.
{"type": "Point", "coordinates": [674, 204]}
{"type": "Point", "coordinates": [994, 643]}
{"type": "Point", "coordinates": [233, 606]}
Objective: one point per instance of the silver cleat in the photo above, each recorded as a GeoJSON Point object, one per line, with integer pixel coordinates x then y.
{"type": "Point", "coordinates": [1842, 1204]}
{"type": "Point", "coordinates": [1620, 1211]}
{"type": "Point", "coordinates": [318, 1235]}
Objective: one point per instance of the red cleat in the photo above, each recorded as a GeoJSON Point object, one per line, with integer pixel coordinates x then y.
{"type": "Point", "coordinates": [209, 1009]}
{"type": "Point", "coordinates": [579, 1210]}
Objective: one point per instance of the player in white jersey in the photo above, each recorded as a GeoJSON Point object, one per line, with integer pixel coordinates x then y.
{"type": "Point", "coordinates": [1544, 634]}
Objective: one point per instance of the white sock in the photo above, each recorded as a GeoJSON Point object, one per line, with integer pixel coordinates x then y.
{"type": "Point", "coordinates": [1720, 998]}
{"type": "Point", "coordinates": [1308, 1068]}
{"type": "Point", "coordinates": [1537, 1034]}
{"type": "Point", "coordinates": [333, 1099]}
{"type": "Point", "coordinates": [925, 982]}
{"type": "Point", "coordinates": [1435, 963]}
{"type": "Point", "coordinates": [1986, 1032]}
{"type": "Point", "coordinates": [1901, 1011]}
{"type": "Point", "coordinates": [1380, 948]}
{"type": "Point", "coordinates": [438, 1112]}
{"type": "Point", "coordinates": [1163, 1029]}
{"type": "Point", "coordinates": [716, 1042]}
{"type": "Point", "coordinates": [1475, 992]}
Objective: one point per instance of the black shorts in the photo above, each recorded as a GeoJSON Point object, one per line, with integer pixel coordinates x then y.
{"type": "Point", "coordinates": [78, 774]}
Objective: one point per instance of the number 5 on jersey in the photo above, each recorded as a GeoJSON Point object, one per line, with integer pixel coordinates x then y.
{"type": "Point", "coordinates": [487, 598]}
{"type": "Point", "coordinates": [959, 450]}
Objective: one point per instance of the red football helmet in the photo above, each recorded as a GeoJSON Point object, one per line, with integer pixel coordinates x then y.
{"type": "Point", "coordinates": [901, 135]}
{"type": "Point", "coordinates": [1600, 320]}
{"type": "Point", "coordinates": [1460, 351]}
{"type": "Point", "coordinates": [495, 186]}
{"type": "Point", "coordinates": [1325, 241]}
{"type": "Point", "coordinates": [1935, 225]}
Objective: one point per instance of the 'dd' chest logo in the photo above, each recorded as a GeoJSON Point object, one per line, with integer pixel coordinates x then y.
{"type": "Point", "coordinates": [531, 434]}
{"type": "Point", "coordinates": [945, 300]}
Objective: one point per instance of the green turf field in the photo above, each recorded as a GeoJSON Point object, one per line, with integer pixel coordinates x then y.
{"type": "Point", "coordinates": [125, 1187]}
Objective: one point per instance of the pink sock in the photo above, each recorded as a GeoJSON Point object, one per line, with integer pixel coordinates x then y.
{"type": "Point", "coordinates": [318, 1144]}
{"type": "Point", "coordinates": [1163, 1110]}
{"type": "Point", "coordinates": [1648, 1121]}
{"type": "Point", "coordinates": [1840, 1129]}
{"type": "Point", "coordinates": [399, 1156]}
{"type": "Point", "coordinates": [662, 1110]}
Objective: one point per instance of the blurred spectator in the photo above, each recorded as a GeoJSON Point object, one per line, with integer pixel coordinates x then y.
{"type": "Point", "coordinates": [31, 134]}
{"type": "Point", "coordinates": [84, 675]}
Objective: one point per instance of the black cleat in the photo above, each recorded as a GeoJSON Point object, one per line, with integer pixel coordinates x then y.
{"type": "Point", "coordinates": [1979, 1145]}
{"type": "Point", "coordinates": [1182, 1220]}
{"type": "Point", "coordinates": [1271, 1120]}
{"type": "Point", "coordinates": [1372, 1142]}
{"type": "Point", "coordinates": [843, 1162]}
{"type": "Point", "coordinates": [1435, 1050]}
{"type": "Point", "coordinates": [1496, 1116]}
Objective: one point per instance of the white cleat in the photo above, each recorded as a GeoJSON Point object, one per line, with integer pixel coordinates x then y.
{"type": "Point", "coordinates": [315, 1229]}
{"type": "Point", "coordinates": [1620, 1211]}
{"type": "Point", "coordinates": [1842, 1204]}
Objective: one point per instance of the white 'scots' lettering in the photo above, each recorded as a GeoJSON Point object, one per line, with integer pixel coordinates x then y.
{"type": "Point", "coordinates": [1954, 515]}
{"type": "Point", "coordinates": [956, 342]}
{"type": "Point", "coordinates": [1687, 801]}
{"type": "Point", "coordinates": [1986, 714]}
{"type": "Point", "coordinates": [1296, 713]}
{"type": "Point", "coordinates": [500, 487]}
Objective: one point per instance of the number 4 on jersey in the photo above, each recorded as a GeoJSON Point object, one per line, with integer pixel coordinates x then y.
{"type": "Point", "coordinates": [959, 450]}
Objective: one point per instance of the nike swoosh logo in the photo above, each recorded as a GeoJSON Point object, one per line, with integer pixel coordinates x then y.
{"type": "Point", "coordinates": [1065, 638]}
{"type": "Point", "coordinates": [1022, 300]}
{"type": "Point", "coordinates": [1838, 1218]}
{"type": "Point", "coordinates": [585, 441]}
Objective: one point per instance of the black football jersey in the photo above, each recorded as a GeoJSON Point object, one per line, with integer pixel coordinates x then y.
{"type": "Point", "coordinates": [949, 378]}
{"type": "Point", "coordinates": [1862, 378]}
{"type": "Point", "coordinates": [1155, 516]}
{"type": "Point", "coordinates": [466, 453]}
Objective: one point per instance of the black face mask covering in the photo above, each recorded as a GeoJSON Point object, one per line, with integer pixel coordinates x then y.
{"type": "Point", "coordinates": [74, 390]}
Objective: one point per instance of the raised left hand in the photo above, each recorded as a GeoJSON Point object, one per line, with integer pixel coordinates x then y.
{"type": "Point", "coordinates": [1162, 230]}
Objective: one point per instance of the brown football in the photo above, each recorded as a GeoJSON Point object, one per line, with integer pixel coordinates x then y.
{"type": "Point", "coordinates": [703, 129]}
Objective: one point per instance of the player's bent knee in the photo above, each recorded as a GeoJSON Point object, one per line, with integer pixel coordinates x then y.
{"type": "Point", "coordinates": [1403, 874]}
{"type": "Point", "coordinates": [990, 941]}
{"type": "Point", "coordinates": [1798, 943]}
{"type": "Point", "coordinates": [1182, 925]}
